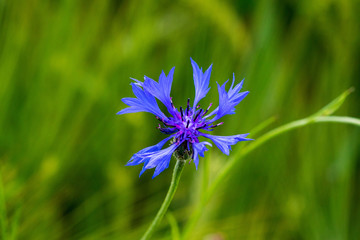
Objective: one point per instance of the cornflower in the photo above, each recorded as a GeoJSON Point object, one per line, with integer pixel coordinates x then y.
{"type": "Point", "coordinates": [183, 125]}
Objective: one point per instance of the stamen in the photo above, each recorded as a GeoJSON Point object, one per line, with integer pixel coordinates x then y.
{"type": "Point", "coordinates": [163, 121]}
{"type": "Point", "coordinates": [182, 114]}
{"type": "Point", "coordinates": [197, 114]}
{"type": "Point", "coordinates": [214, 126]}
{"type": "Point", "coordinates": [187, 123]}
{"type": "Point", "coordinates": [182, 136]}
{"type": "Point", "coordinates": [207, 109]}
{"type": "Point", "coordinates": [160, 119]}
{"type": "Point", "coordinates": [188, 107]}
{"type": "Point", "coordinates": [166, 124]}
{"type": "Point", "coordinates": [172, 104]}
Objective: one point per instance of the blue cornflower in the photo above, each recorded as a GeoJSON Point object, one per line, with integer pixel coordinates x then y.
{"type": "Point", "coordinates": [184, 124]}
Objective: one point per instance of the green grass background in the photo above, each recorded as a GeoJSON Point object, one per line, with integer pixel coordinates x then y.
{"type": "Point", "coordinates": [65, 65]}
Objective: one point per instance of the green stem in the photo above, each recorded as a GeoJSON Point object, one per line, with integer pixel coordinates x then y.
{"type": "Point", "coordinates": [226, 171]}
{"type": "Point", "coordinates": [179, 166]}
{"type": "Point", "coordinates": [271, 134]}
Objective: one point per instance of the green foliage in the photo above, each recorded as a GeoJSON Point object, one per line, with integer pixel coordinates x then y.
{"type": "Point", "coordinates": [65, 65]}
{"type": "Point", "coordinates": [333, 105]}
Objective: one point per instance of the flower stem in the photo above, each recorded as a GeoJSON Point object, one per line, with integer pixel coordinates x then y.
{"type": "Point", "coordinates": [179, 166]}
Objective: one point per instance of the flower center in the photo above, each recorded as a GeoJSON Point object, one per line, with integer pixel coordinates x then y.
{"type": "Point", "coordinates": [186, 123]}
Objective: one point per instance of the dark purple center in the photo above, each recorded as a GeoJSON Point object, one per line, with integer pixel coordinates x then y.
{"type": "Point", "coordinates": [186, 123]}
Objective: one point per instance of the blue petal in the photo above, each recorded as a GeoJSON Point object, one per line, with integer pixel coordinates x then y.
{"type": "Point", "coordinates": [144, 169]}
{"type": "Point", "coordinates": [137, 82]}
{"type": "Point", "coordinates": [201, 81]}
{"type": "Point", "coordinates": [161, 90]}
{"type": "Point", "coordinates": [224, 143]}
{"type": "Point", "coordinates": [137, 159]}
{"type": "Point", "coordinates": [199, 149]}
{"type": "Point", "coordinates": [144, 102]}
{"type": "Point", "coordinates": [159, 159]}
{"type": "Point", "coordinates": [228, 100]}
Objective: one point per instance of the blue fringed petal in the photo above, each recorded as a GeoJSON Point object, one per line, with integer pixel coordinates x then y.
{"type": "Point", "coordinates": [161, 90]}
{"type": "Point", "coordinates": [137, 159]}
{"type": "Point", "coordinates": [199, 149]}
{"type": "Point", "coordinates": [228, 100]}
{"type": "Point", "coordinates": [158, 159]}
{"type": "Point", "coordinates": [201, 81]}
{"type": "Point", "coordinates": [224, 143]}
{"type": "Point", "coordinates": [144, 102]}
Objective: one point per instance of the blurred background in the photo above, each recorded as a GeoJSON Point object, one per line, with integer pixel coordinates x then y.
{"type": "Point", "coordinates": [65, 65]}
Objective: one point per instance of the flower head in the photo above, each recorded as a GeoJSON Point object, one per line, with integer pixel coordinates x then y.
{"type": "Point", "coordinates": [184, 125]}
